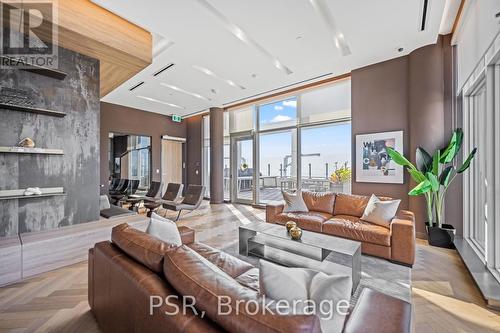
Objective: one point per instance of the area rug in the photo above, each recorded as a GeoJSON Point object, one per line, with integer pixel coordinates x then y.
{"type": "Point", "coordinates": [378, 274]}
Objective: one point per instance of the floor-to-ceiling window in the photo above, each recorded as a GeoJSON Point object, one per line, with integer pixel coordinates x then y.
{"type": "Point", "coordinates": [481, 125]}
{"type": "Point", "coordinates": [299, 141]}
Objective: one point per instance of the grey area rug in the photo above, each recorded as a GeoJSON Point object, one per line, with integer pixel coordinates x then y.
{"type": "Point", "coordinates": [378, 274]}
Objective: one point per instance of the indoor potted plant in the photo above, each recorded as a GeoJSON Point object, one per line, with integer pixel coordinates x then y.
{"type": "Point", "coordinates": [433, 175]}
{"type": "Point", "coordinates": [340, 178]}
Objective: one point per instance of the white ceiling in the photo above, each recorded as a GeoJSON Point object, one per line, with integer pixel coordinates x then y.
{"type": "Point", "coordinates": [202, 33]}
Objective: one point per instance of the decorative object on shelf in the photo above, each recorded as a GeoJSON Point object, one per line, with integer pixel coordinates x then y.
{"type": "Point", "coordinates": [289, 225]}
{"type": "Point", "coordinates": [296, 233]}
{"type": "Point", "coordinates": [373, 163]}
{"type": "Point", "coordinates": [27, 143]}
{"type": "Point", "coordinates": [32, 191]}
{"type": "Point", "coordinates": [434, 174]}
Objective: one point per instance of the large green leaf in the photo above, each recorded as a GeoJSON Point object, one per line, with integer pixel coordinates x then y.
{"type": "Point", "coordinates": [421, 188]}
{"type": "Point", "coordinates": [444, 178]}
{"type": "Point", "coordinates": [435, 162]}
{"type": "Point", "coordinates": [417, 176]}
{"type": "Point", "coordinates": [466, 164]}
{"type": "Point", "coordinates": [398, 158]}
{"type": "Point", "coordinates": [433, 180]}
{"type": "Point", "coordinates": [450, 152]}
{"type": "Point", "coordinates": [424, 160]}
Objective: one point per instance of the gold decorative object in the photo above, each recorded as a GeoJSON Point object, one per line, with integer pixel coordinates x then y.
{"type": "Point", "coordinates": [296, 233]}
{"type": "Point", "coordinates": [27, 143]}
{"type": "Point", "coordinates": [289, 225]}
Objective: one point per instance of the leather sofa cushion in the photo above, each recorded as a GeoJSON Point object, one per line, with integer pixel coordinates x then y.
{"type": "Point", "coordinates": [144, 248]}
{"type": "Point", "coordinates": [319, 201]}
{"type": "Point", "coordinates": [190, 274]}
{"type": "Point", "coordinates": [312, 221]}
{"type": "Point", "coordinates": [348, 204]}
{"type": "Point", "coordinates": [354, 228]}
{"type": "Point", "coordinates": [230, 265]}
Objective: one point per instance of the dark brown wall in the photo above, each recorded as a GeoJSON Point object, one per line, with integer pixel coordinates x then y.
{"type": "Point", "coordinates": [414, 94]}
{"type": "Point", "coordinates": [379, 103]}
{"type": "Point", "coordinates": [194, 140]}
{"type": "Point", "coordinates": [426, 109]}
{"type": "Point", "coordinates": [122, 119]}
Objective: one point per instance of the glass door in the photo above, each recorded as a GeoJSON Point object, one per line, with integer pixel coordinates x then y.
{"type": "Point", "coordinates": [242, 165]}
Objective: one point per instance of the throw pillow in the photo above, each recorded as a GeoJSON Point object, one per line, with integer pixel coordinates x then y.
{"type": "Point", "coordinates": [310, 287]}
{"type": "Point", "coordinates": [294, 202]}
{"type": "Point", "coordinates": [380, 212]}
{"type": "Point", "coordinates": [104, 202]}
{"type": "Point", "coordinates": [164, 229]}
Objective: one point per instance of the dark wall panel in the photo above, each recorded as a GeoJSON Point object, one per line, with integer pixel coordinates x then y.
{"type": "Point", "coordinates": [379, 103]}
{"type": "Point", "coordinates": [122, 119]}
{"type": "Point", "coordinates": [77, 134]}
{"type": "Point", "coordinates": [194, 141]}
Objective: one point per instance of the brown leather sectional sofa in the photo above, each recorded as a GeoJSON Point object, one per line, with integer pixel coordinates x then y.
{"type": "Point", "coordinates": [340, 215]}
{"type": "Point", "coordinates": [125, 273]}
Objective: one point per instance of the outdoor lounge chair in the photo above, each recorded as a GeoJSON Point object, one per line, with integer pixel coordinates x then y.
{"type": "Point", "coordinates": [172, 194]}
{"type": "Point", "coordinates": [191, 201]}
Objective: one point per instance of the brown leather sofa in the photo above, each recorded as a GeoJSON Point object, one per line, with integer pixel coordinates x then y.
{"type": "Point", "coordinates": [340, 214]}
{"type": "Point", "coordinates": [126, 272]}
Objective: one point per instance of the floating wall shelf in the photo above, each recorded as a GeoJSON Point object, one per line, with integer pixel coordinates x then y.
{"type": "Point", "coordinates": [18, 194]}
{"type": "Point", "coordinates": [53, 73]}
{"type": "Point", "coordinates": [22, 150]}
{"type": "Point", "coordinates": [32, 110]}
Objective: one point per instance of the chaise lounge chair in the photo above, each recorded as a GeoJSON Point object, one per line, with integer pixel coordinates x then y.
{"type": "Point", "coordinates": [134, 200]}
{"type": "Point", "coordinates": [192, 200]}
{"type": "Point", "coordinates": [172, 194]}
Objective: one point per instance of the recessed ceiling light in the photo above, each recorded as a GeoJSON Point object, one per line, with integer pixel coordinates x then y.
{"type": "Point", "coordinates": [185, 91]}
{"type": "Point", "coordinates": [322, 9]}
{"type": "Point", "coordinates": [161, 102]}
{"type": "Point", "coordinates": [212, 74]}
{"type": "Point", "coordinates": [244, 37]}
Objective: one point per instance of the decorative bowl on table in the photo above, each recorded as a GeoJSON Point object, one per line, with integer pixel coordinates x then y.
{"type": "Point", "coordinates": [289, 225]}
{"type": "Point", "coordinates": [296, 233]}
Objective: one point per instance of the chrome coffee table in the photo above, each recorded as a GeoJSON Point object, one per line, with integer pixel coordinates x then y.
{"type": "Point", "coordinates": [325, 253]}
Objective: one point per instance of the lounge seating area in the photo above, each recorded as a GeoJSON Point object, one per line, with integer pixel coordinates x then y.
{"type": "Point", "coordinates": [312, 166]}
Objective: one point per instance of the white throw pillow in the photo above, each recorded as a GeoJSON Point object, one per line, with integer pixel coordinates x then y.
{"type": "Point", "coordinates": [294, 203]}
{"type": "Point", "coordinates": [104, 202]}
{"type": "Point", "coordinates": [164, 229]}
{"type": "Point", "coordinates": [302, 284]}
{"type": "Point", "coordinates": [380, 212]}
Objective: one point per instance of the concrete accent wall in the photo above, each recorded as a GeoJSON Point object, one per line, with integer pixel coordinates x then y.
{"type": "Point", "coordinates": [77, 134]}
{"type": "Point", "coordinates": [121, 119]}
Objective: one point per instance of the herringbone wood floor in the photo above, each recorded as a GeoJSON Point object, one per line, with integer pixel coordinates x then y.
{"type": "Point", "coordinates": [444, 296]}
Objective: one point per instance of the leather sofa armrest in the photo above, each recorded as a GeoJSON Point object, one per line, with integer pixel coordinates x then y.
{"type": "Point", "coordinates": [366, 315]}
{"type": "Point", "coordinates": [187, 235]}
{"type": "Point", "coordinates": [403, 238]}
{"type": "Point", "coordinates": [272, 209]}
